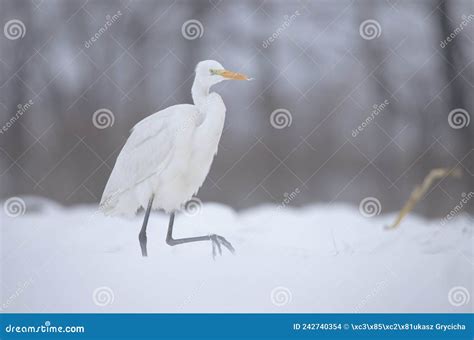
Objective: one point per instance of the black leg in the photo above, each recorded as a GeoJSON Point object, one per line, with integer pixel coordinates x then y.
{"type": "Point", "coordinates": [142, 235]}
{"type": "Point", "coordinates": [216, 240]}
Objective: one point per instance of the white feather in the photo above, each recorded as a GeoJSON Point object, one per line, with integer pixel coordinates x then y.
{"type": "Point", "coordinates": [168, 154]}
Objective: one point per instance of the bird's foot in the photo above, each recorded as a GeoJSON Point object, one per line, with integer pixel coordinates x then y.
{"type": "Point", "coordinates": [217, 243]}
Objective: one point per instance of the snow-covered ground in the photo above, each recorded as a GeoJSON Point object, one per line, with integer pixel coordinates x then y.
{"type": "Point", "coordinates": [316, 259]}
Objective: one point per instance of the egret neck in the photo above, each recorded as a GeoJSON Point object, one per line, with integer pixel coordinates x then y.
{"type": "Point", "coordinates": [200, 94]}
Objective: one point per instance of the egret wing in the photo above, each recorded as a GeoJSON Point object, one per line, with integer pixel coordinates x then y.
{"type": "Point", "coordinates": [144, 156]}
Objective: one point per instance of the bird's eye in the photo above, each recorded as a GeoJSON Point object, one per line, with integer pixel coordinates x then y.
{"type": "Point", "coordinates": [213, 72]}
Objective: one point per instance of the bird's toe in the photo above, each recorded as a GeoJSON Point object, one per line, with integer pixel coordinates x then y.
{"type": "Point", "coordinates": [227, 244]}
{"type": "Point", "coordinates": [219, 241]}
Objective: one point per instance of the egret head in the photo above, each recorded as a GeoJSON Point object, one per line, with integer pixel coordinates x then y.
{"type": "Point", "coordinates": [210, 72]}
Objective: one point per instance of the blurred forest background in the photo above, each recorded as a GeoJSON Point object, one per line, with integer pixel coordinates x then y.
{"type": "Point", "coordinates": [314, 59]}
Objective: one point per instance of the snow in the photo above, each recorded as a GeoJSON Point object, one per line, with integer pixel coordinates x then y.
{"type": "Point", "coordinates": [321, 258]}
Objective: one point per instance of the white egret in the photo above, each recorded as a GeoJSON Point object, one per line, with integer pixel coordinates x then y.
{"type": "Point", "coordinates": [168, 156]}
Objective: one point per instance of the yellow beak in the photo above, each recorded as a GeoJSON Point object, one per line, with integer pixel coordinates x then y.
{"type": "Point", "coordinates": [232, 75]}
